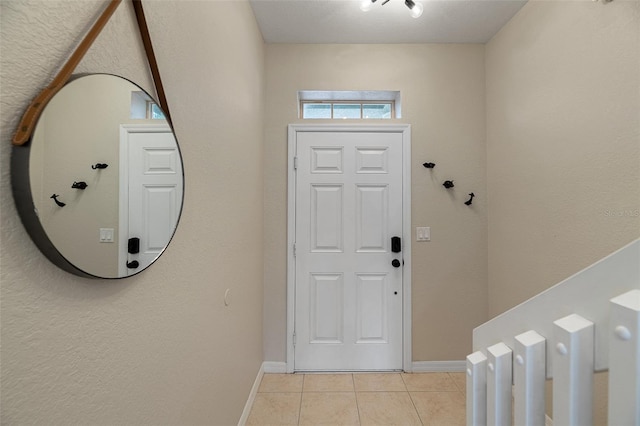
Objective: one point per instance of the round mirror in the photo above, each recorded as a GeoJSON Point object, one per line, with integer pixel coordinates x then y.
{"type": "Point", "coordinates": [100, 185]}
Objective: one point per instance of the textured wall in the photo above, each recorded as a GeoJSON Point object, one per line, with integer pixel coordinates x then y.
{"type": "Point", "coordinates": [161, 347]}
{"type": "Point", "coordinates": [563, 147]}
{"type": "Point", "coordinates": [563, 143]}
{"type": "Point", "coordinates": [443, 99]}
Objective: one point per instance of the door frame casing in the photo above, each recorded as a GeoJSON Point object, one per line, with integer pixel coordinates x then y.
{"type": "Point", "coordinates": [405, 130]}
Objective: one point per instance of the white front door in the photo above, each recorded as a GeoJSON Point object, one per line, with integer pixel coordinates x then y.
{"type": "Point", "coordinates": [151, 194]}
{"type": "Point", "coordinates": [348, 280]}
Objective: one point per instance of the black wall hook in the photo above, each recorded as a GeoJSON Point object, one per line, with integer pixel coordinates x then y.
{"type": "Point", "coordinates": [470, 200]}
{"type": "Point", "coordinates": [100, 166]}
{"type": "Point", "coordinates": [79, 185]}
{"type": "Point", "coordinates": [55, 198]}
{"type": "Point", "coordinates": [429, 165]}
{"type": "Point", "coordinates": [448, 184]}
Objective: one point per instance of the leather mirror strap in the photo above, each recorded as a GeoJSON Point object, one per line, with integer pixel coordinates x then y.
{"type": "Point", "coordinates": [151, 58]}
{"type": "Point", "coordinates": [35, 108]}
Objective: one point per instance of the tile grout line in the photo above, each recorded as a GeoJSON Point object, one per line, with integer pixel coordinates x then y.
{"type": "Point", "coordinates": [455, 383]}
{"type": "Point", "coordinates": [304, 377]}
{"type": "Point", "coordinates": [412, 402]}
{"type": "Point", "coordinates": [353, 381]}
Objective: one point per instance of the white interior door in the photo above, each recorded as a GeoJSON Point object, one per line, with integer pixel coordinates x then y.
{"type": "Point", "coordinates": [348, 294]}
{"type": "Point", "coordinates": [153, 193]}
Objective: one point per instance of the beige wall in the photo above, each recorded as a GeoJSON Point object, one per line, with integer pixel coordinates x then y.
{"type": "Point", "coordinates": [161, 347]}
{"type": "Point", "coordinates": [559, 161]}
{"type": "Point", "coordinates": [443, 99]}
{"type": "Point", "coordinates": [563, 147]}
{"type": "Point", "coordinates": [563, 143]}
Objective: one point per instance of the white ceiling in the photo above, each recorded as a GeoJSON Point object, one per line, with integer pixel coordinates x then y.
{"type": "Point", "coordinates": [342, 21]}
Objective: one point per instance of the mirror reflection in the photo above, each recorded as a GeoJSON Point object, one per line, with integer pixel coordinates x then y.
{"type": "Point", "coordinates": [106, 176]}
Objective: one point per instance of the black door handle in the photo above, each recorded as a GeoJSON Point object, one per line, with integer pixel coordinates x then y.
{"type": "Point", "coordinates": [395, 263]}
{"type": "Point", "coordinates": [133, 265]}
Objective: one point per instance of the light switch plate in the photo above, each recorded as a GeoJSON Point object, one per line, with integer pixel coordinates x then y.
{"type": "Point", "coordinates": [423, 233]}
{"type": "Point", "coordinates": [106, 235]}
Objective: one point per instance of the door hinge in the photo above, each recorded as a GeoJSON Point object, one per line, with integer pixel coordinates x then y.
{"type": "Point", "coordinates": [294, 249]}
{"type": "Point", "coordinates": [295, 163]}
{"type": "Point", "coordinates": [294, 339]}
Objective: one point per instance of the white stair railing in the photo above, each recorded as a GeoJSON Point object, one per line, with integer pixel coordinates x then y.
{"type": "Point", "coordinates": [624, 360]}
{"type": "Point", "coordinates": [587, 323]}
{"type": "Point", "coordinates": [529, 378]}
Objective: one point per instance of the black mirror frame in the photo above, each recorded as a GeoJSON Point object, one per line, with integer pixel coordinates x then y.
{"type": "Point", "coordinates": [23, 198]}
{"type": "Point", "coordinates": [21, 188]}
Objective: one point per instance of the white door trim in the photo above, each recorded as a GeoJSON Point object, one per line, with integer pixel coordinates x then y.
{"type": "Point", "coordinates": [405, 130]}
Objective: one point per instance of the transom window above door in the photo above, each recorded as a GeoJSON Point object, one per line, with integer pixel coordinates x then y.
{"type": "Point", "coordinates": [354, 105]}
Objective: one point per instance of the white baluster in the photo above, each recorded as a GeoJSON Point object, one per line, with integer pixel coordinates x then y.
{"type": "Point", "coordinates": [573, 371]}
{"type": "Point", "coordinates": [476, 389]}
{"type": "Point", "coordinates": [499, 379]}
{"type": "Point", "coordinates": [529, 377]}
{"type": "Point", "coordinates": [624, 359]}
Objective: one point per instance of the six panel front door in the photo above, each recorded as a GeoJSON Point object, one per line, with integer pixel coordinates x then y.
{"type": "Point", "coordinates": [153, 193]}
{"type": "Point", "coordinates": [348, 294]}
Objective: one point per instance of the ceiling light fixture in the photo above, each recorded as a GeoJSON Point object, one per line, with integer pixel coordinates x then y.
{"type": "Point", "coordinates": [366, 5]}
{"type": "Point", "coordinates": [416, 8]}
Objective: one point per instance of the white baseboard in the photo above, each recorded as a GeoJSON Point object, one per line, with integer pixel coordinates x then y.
{"type": "Point", "coordinates": [252, 396]}
{"type": "Point", "coordinates": [274, 367]}
{"type": "Point", "coordinates": [439, 366]}
{"type": "Point", "coordinates": [416, 366]}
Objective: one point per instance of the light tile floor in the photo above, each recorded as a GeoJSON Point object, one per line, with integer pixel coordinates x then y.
{"type": "Point", "coordinates": [430, 399]}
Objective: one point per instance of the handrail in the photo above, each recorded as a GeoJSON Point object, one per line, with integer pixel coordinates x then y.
{"type": "Point", "coordinates": [589, 322]}
{"type": "Point", "coordinates": [586, 293]}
